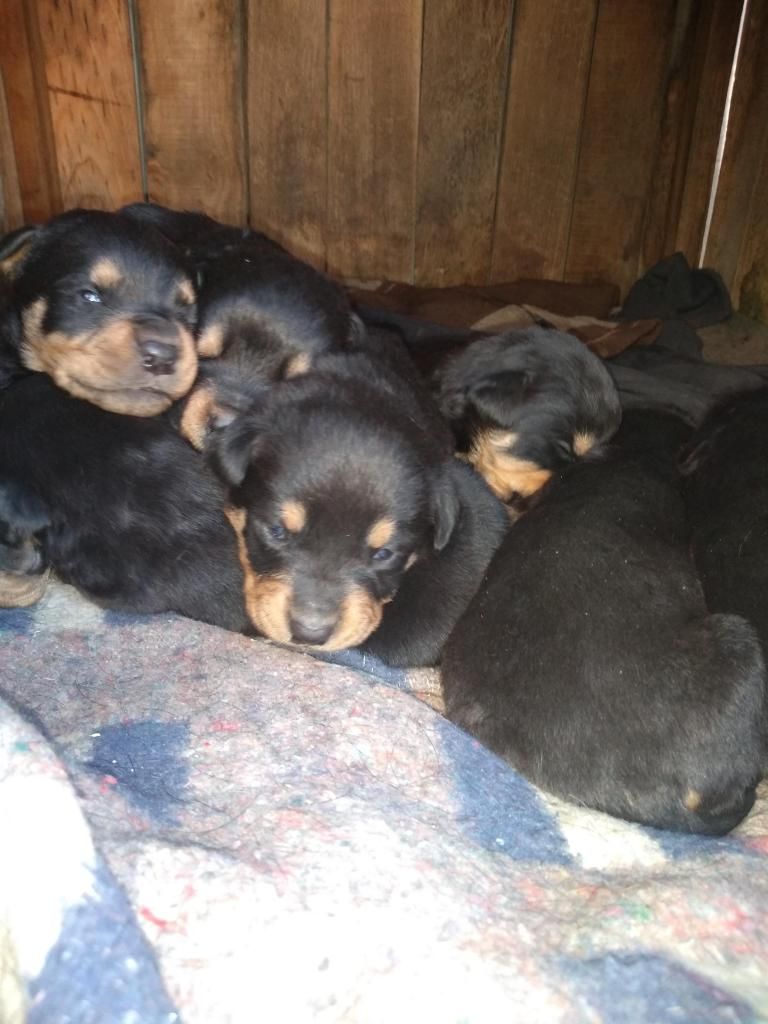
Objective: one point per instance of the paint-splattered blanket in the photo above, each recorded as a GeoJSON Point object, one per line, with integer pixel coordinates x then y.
{"type": "Point", "coordinates": [197, 826]}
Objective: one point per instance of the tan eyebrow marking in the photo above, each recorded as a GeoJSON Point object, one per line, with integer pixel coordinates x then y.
{"type": "Point", "coordinates": [382, 531]}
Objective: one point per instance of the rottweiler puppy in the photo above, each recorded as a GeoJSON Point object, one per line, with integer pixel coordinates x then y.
{"type": "Point", "coordinates": [23, 559]}
{"type": "Point", "coordinates": [106, 308]}
{"type": "Point", "coordinates": [263, 315]}
{"type": "Point", "coordinates": [135, 519]}
{"type": "Point", "coordinates": [359, 528]}
{"type": "Point", "coordinates": [589, 661]}
{"type": "Point", "coordinates": [726, 471]}
{"type": "Point", "coordinates": [525, 404]}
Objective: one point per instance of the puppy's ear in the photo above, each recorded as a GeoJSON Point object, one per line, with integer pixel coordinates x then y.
{"type": "Point", "coordinates": [445, 506]}
{"type": "Point", "coordinates": [357, 331]}
{"type": "Point", "coordinates": [14, 248]}
{"type": "Point", "coordinates": [498, 394]}
{"type": "Point", "coordinates": [233, 447]}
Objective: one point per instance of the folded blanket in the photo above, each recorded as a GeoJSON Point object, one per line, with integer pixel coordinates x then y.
{"type": "Point", "coordinates": [299, 841]}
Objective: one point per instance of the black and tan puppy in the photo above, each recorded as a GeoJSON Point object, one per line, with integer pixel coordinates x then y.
{"type": "Point", "coordinates": [105, 307]}
{"type": "Point", "coordinates": [589, 661]}
{"type": "Point", "coordinates": [23, 559]}
{"type": "Point", "coordinates": [262, 315]}
{"type": "Point", "coordinates": [359, 529]}
{"type": "Point", "coordinates": [726, 473]}
{"type": "Point", "coordinates": [525, 404]}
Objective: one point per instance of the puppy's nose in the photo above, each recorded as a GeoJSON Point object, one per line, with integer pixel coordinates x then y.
{"type": "Point", "coordinates": [157, 357]}
{"type": "Point", "coordinates": [311, 629]}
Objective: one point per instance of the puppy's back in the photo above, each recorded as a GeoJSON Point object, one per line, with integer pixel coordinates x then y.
{"type": "Point", "coordinates": [587, 658]}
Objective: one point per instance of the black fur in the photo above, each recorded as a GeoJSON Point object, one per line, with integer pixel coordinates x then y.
{"type": "Point", "coordinates": [727, 497]}
{"type": "Point", "coordinates": [136, 518]}
{"type": "Point", "coordinates": [23, 520]}
{"type": "Point", "coordinates": [588, 658]}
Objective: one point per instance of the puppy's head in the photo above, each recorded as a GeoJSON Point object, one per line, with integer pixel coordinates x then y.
{"type": "Point", "coordinates": [23, 521]}
{"type": "Point", "coordinates": [525, 404]}
{"type": "Point", "coordinates": [336, 508]}
{"type": "Point", "coordinates": [258, 298]}
{"type": "Point", "coordinates": [107, 310]}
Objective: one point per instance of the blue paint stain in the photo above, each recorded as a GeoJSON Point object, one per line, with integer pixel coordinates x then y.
{"type": "Point", "coordinates": [650, 989]}
{"type": "Point", "coordinates": [101, 970]}
{"type": "Point", "coordinates": [147, 759]}
{"type": "Point", "coordinates": [500, 810]}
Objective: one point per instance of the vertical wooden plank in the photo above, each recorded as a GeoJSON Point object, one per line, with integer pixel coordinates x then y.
{"type": "Point", "coordinates": [11, 215]}
{"type": "Point", "coordinates": [463, 76]}
{"type": "Point", "coordinates": [26, 96]}
{"type": "Point", "coordinates": [193, 129]}
{"type": "Point", "coordinates": [551, 52]}
{"type": "Point", "coordinates": [745, 143]}
{"type": "Point", "coordinates": [750, 290]}
{"type": "Point", "coordinates": [89, 74]}
{"type": "Point", "coordinates": [619, 139]}
{"type": "Point", "coordinates": [678, 107]}
{"type": "Point", "coordinates": [375, 54]}
{"type": "Point", "coordinates": [287, 122]}
{"type": "Point", "coordinates": [718, 26]}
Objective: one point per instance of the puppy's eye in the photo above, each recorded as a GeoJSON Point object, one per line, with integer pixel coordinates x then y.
{"type": "Point", "coordinates": [382, 555]}
{"type": "Point", "coordinates": [564, 449]}
{"type": "Point", "coordinates": [277, 532]}
{"type": "Point", "coordinates": [89, 295]}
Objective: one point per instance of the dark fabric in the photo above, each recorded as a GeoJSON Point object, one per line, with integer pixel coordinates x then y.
{"type": "Point", "coordinates": [672, 289]}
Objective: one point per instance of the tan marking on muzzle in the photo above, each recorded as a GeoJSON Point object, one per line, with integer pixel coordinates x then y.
{"type": "Point", "coordinates": [21, 591]}
{"type": "Point", "coordinates": [196, 418]}
{"type": "Point", "coordinates": [104, 366]}
{"type": "Point", "coordinates": [503, 472]}
{"type": "Point", "coordinates": [359, 615]}
{"type": "Point", "coordinates": [381, 533]}
{"type": "Point", "coordinates": [293, 516]}
{"type": "Point", "coordinates": [267, 598]}
{"type": "Point", "coordinates": [583, 442]}
{"type": "Point", "coordinates": [211, 342]}
{"type": "Point", "coordinates": [297, 365]}
{"type": "Point", "coordinates": [105, 273]}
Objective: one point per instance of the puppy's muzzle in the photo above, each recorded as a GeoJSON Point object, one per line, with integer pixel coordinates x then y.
{"type": "Point", "coordinates": [312, 627]}
{"type": "Point", "coordinates": [157, 342]}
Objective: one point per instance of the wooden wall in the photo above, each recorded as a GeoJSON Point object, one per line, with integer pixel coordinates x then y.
{"type": "Point", "coordinates": [435, 141]}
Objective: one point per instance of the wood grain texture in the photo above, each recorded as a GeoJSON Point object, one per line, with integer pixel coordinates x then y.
{"type": "Point", "coordinates": [718, 26]}
{"type": "Point", "coordinates": [11, 215]}
{"type": "Point", "coordinates": [465, 60]}
{"type": "Point", "coordinates": [86, 47]}
{"type": "Point", "coordinates": [287, 118]}
{"type": "Point", "coordinates": [193, 119]}
{"type": "Point", "coordinates": [675, 133]}
{"type": "Point", "coordinates": [620, 137]}
{"type": "Point", "coordinates": [736, 203]}
{"type": "Point", "coordinates": [26, 96]}
{"type": "Point", "coordinates": [374, 61]}
{"type": "Point", "coordinates": [551, 52]}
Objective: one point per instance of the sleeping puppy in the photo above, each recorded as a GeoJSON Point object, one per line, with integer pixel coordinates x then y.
{"type": "Point", "coordinates": [525, 404]}
{"type": "Point", "coordinates": [359, 529]}
{"type": "Point", "coordinates": [23, 560]}
{"type": "Point", "coordinates": [135, 519]}
{"type": "Point", "coordinates": [726, 473]}
{"type": "Point", "coordinates": [105, 308]}
{"type": "Point", "coordinates": [589, 661]}
{"type": "Point", "coordinates": [263, 315]}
